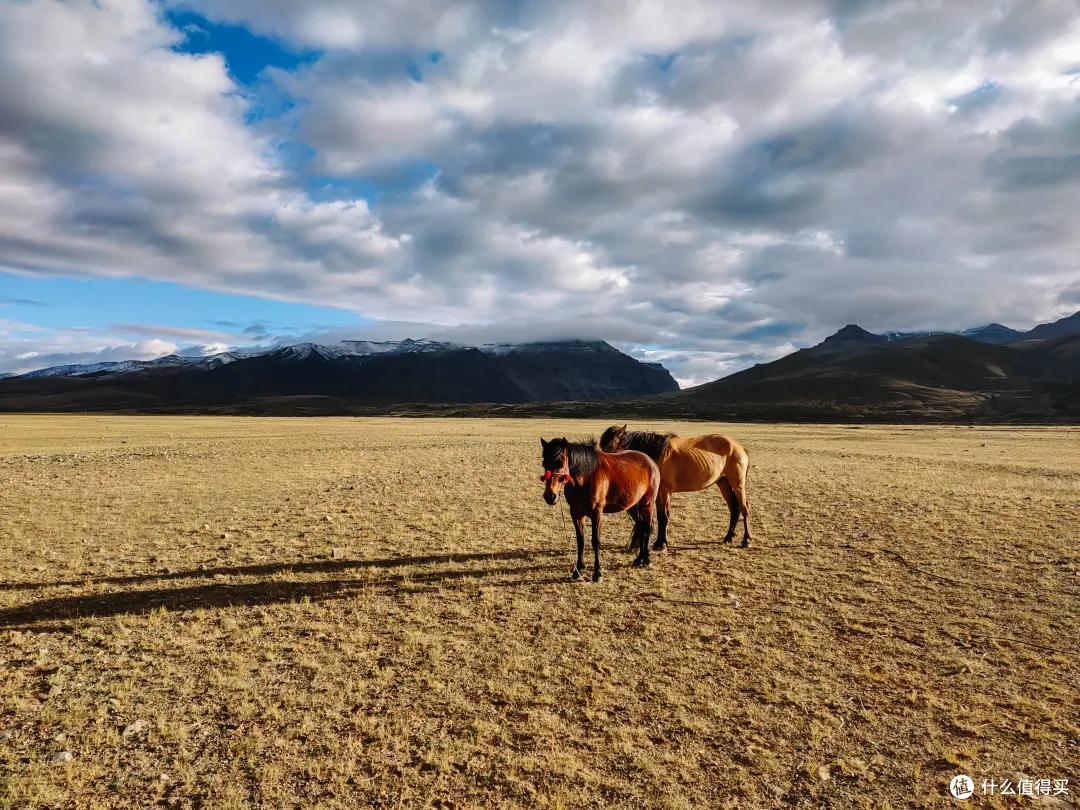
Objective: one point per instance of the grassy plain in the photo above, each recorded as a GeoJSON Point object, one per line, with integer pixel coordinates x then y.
{"type": "Point", "coordinates": [235, 612]}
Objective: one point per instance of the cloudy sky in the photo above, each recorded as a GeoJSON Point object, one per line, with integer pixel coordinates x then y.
{"type": "Point", "coordinates": [710, 184]}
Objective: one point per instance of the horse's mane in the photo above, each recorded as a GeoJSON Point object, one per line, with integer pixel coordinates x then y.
{"type": "Point", "coordinates": [651, 444]}
{"type": "Point", "coordinates": [581, 457]}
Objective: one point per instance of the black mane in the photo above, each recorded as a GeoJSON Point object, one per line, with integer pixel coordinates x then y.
{"type": "Point", "coordinates": [581, 457]}
{"type": "Point", "coordinates": [651, 444]}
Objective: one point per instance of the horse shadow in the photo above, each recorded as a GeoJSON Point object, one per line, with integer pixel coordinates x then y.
{"type": "Point", "coordinates": [54, 612]}
{"type": "Point", "coordinates": [270, 569]}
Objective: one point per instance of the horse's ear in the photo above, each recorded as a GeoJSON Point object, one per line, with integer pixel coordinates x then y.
{"type": "Point", "coordinates": [622, 429]}
{"type": "Point", "coordinates": [543, 443]}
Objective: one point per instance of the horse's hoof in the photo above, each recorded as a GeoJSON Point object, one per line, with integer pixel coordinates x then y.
{"type": "Point", "coordinates": [642, 562]}
{"type": "Point", "coordinates": [746, 542]}
{"type": "Point", "coordinates": [575, 575]}
{"type": "Point", "coordinates": [728, 538]}
{"type": "Point", "coordinates": [597, 577]}
{"type": "Point", "coordinates": [658, 546]}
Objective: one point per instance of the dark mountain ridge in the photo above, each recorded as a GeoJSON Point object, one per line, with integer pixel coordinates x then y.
{"type": "Point", "coordinates": [337, 378]}
{"type": "Point", "coordinates": [1056, 329]}
{"type": "Point", "coordinates": [993, 333]}
{"type": "Point", "coordinates": [852, 375]}
{"type": "Point", "coordinates": [856, 374]}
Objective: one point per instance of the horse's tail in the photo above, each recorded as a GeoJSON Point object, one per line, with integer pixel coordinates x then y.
{"type": "Point", "coordinates": [745, 470]}
{"type": "Point", "coordinates": [654, 473]}
{"type": "Point", "coordinates": [740, 457]}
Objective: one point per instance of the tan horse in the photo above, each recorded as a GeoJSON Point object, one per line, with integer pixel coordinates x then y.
{"type": "Point", "coordinates": [690, 465]}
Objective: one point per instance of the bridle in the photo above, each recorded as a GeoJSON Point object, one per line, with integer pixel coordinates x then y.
{"type": "Point", "coordinates": [560, 477]}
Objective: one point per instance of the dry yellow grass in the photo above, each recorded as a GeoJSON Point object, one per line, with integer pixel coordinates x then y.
{"type": "Point", "coordinates": [174, 614]}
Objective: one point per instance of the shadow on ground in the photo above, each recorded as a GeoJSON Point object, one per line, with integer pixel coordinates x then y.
{"type": "Point", "coordinates": [219, 595]}
{"type": "Point", "coordinates": [269, 569]}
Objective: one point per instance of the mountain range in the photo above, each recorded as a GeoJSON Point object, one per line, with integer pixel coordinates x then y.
{"type": "Point", "coordinates": [313, 378]}
{"type": "Point", "coordinates": [987, 374]}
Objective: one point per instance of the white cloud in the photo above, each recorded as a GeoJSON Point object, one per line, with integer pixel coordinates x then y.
{"type": "Point", "coordinates": [20, 354]}
{"type": "Point", "coordinates": [208, 349]}
{"type": "Point", "coordinates": [685, 173]}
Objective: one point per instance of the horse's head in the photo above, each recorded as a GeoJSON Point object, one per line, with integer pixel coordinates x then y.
{"type": "Point", "coordinates": [612, 439]}
{"type": "Point", "coordinates": [556, 463]}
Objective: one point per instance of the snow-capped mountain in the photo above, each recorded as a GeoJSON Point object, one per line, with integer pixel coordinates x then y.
{"type": "Point", "coordinates": [123, 366]}
{"type": "Point", "coordinates": [303, 351]}
{"type": "Point", "coordinates": [74, 370]}
{"type": "Point", "coordinates": [351, 374]}
{"type": "Point", "coordinates": [544, 346]}
{"type": "Point", "coordinates": [406, 346]}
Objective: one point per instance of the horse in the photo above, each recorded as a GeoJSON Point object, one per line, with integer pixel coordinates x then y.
{"type": "Point", "coordinates": [690, 465]}
{"type": "Point", "coordinates": [595, 484]}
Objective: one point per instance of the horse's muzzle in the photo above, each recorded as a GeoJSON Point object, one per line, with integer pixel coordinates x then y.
{"type": "Point", "coordinates": [551, 496]}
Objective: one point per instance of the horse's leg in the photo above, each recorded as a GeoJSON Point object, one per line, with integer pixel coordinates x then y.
{"type": "Point", "coordinates": [633, 537]}
{"type": "Point", "coordinates": [648, 516]}
{"type": "Point", "coordinates": [638, 541]}
{"type": "Point", "coordinates": [739, 488]}
{"type": "Point", "coordinates": [596, 516]}
{"type": "Point", "coordinates": [579, 531]}
{"type": "Point", "coordinates": [745, 510]}
{"type": "Point", "coordinates": [733, 508]}
{"type": "Point", "coordinates": [643, 516]}
{"type": "Point", "coordinates": [663, 508]}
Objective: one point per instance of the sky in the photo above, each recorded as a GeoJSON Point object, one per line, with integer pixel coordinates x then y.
{"type": "Point", "coordinates": [705, 184]}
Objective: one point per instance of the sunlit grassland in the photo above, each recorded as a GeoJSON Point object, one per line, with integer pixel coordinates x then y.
{"type": "Point", "coordinates": [346, 612]}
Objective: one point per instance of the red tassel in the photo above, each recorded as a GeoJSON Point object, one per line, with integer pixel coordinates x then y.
{"type": "Point", "coordinates": [562, 477]}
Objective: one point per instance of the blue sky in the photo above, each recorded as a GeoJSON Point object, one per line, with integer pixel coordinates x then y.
{"type": "Point", "coordinates": [102, 303]}
{"type": "Point", "coordinates": [246, 54]}
{"type": "Point", "coordinates": [709, 184]}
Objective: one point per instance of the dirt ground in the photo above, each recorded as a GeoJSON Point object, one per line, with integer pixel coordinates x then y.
{"type": "Point", "coordinates": [235, 612]}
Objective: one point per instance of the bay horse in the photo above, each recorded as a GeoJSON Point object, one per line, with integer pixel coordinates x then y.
{"type": "Point", "coordinates": [690, 465]}
{"type": "Point", "coordinates": [595, 484]}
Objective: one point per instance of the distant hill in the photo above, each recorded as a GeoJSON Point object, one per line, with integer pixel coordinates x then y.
{"type": "Point", "coordinates": [332, 379]}
{"type": "Point", "coordinates": [856, 374]}
{"type": "Point", "coordinates": [1001, 335]}
{"type": "Point", "coordinates": [122, 366]}
{"type": "Point", "coordinates": [993, 333]}
{"type": "Point", "coordinates": [852, 338]}
{"type": "Point", "coordinates": [981, 375]}
{"type": "Point", "coordinates": [1058, 329]}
